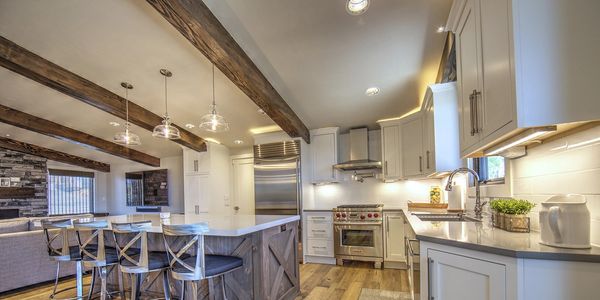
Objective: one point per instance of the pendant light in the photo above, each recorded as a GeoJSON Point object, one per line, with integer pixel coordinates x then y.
{"type": "Point", "coordinates": [127, 137]}
{"type": "Point", "coordinates": [212, 121]}
{"type": "Point", "coordinates": [166, 130]}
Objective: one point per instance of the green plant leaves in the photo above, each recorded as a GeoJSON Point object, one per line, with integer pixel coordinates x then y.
{"type": "Point", "coordinates": [512, 206]}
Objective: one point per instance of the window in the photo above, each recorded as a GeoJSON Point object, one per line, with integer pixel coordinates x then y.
{"type": "Point", "coordinates": [491, 169]}
{"type": "Point", "coordinates": [70, 192]}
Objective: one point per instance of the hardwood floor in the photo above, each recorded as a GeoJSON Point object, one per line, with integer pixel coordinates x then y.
{"type": "Point", "coordinates": [317, 282]}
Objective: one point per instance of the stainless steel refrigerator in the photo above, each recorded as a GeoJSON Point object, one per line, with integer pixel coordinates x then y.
{"type": "Point", "coordinates": [277, 180]}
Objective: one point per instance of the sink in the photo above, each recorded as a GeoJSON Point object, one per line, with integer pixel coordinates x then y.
{"type": "Point", "coordinates": [445, 218]}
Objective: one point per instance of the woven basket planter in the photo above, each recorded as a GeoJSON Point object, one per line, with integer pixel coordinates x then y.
{"type": "Point", "coordinates": [512, 223]}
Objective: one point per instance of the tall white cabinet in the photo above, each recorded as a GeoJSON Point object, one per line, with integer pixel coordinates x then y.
{"type": "Point", "coordinates": [206, 180]}
{"type": "Point", "coordinates": [394, 254]}
{"type": "Point", "coordinates": [390, 149]}
{"type": "Point", "coordinates": [523, 64]}
{"type": "Point", "coordinates": [324, 154]}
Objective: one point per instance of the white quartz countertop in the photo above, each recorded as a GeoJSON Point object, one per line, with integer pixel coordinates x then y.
{"type": "Point", "coordinates": [220, 225]}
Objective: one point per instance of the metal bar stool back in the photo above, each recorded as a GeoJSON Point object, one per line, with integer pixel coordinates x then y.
{"type": "Point", "coordinates": [131, 241]}
{"type": "Point", "coordinates": [95, 253]}
{"type": "Point", "coordinates": [188, 261]}
{"type": "Point", "coordinates": [60, 250]}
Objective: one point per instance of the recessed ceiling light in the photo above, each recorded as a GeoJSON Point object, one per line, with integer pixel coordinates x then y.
{"type": "Point", "coordinates": [238, 142]}
{"type": "Point", "coordinates": [357, 7]}
{"type": "Point", "coordinates": [212, 140]}
{"type": "Point", "coordinates": [262, 112]}
{"type": "Point", "coordinates": [189, 126]}
{"type": "Point", "coordinates": [7, 135]}
{"type": "Point", "coordinates": [372, 91]}
{"type": "Point", "coordinates": [114, 124]}
{"type": "Point", "coordinates": [441, 29]}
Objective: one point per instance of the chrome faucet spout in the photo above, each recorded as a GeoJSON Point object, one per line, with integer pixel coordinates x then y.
{"type": "Point", "coordinates": [478, 204]}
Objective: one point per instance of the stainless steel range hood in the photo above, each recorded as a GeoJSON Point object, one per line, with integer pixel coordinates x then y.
{"type": "Point", "coordinates": [359, 152]}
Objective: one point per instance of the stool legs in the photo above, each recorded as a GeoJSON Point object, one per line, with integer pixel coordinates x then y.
{"type": "Point", "coordinates": [166, 286]}
{"type": "Point", "coordinates": [56, 280]}
{"type": "Point", "coordinates": [223, 286]}
{"type": "Point", "coordinates": [79, 279]}
{"type": "Point", "coordinates": [91, 292]}
{"type": "Point", "coordinates": [103, 289]}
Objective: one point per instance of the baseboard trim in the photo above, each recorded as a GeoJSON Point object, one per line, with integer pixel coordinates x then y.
{"type": "Point", "coordinates": [319, 260]}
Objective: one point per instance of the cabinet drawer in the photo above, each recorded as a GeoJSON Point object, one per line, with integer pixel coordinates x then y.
{"type": "Point", "coordinates": [319, 247]}
{"type": "Point", "coordinates": [319, 218]}
{"type": "Point", "coordinates": [319, 230]}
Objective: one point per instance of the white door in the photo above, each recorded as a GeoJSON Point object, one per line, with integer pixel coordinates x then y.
{"type": "Point", "coordinates": [243, 185]}
{"type": "Point", "coordinates": [468, 69]}
{"type": "Point", "coordinates": [412, 147]}
{"type": "Point", "coordinates": [196, 194]}
{"type": "Point", "coordinates": [394, 237]}
{"type": "Point", "coordinates": [324, 156]}
{"type": "Point", "coordinates": [459, 277]}
{"type": "Point", "coordinates": [391, 152]}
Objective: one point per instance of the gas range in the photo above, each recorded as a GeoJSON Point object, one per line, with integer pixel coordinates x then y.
{"type": "Point", "coordinates": [360, 213]}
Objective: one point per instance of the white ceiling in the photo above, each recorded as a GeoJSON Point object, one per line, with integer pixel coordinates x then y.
{"type": "Point", "coordinates": [316, 55]}
{"type": "Point", "coordinates": [109, 42]}
{"type": "Point", "coordinates": [321, 59]}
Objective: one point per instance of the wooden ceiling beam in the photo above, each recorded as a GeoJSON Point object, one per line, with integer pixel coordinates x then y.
{"type": "Point", "coordinates": [55, 130]}
{"type": "Point", "coordinates": [54, 155]}
{"type": "Point", "coordinates": [197, 23]}
{"type": "Point", "coordinates": [34, 67]}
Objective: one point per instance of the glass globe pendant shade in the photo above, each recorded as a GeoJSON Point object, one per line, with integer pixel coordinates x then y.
{"type": "Point", "coordinates": [213, 122]}
{"type": "Point", "coordinates": [166, 131]}
{"type": "Point", "coordinates": [127, 138]}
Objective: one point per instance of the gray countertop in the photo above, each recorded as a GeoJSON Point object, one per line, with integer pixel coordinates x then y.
{"type": "Point", "coordinates": [482, 236]}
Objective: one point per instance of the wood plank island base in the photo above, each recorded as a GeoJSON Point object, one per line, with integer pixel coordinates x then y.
{"type": "Point", "coordinates": [268, 246]}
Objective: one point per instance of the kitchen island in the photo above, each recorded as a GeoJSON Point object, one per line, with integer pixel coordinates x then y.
{"type": "Point", "coordinates": [267, 244]}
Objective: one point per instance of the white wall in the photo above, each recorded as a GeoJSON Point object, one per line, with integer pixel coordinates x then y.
{"type": "Point", "coordinates": [100, 183]}
{"type": "Point", "coordinates": [116, 203]}
{"type": "Point", "coordinates": [550, 169]}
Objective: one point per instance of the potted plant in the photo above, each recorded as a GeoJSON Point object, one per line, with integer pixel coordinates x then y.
{"type": "Point", "coordinates": [511, 214]}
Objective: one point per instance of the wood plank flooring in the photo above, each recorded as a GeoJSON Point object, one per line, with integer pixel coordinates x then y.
{"type": "Point", "coordinates": [317, 282]}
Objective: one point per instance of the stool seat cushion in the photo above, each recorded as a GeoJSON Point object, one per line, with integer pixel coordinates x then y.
{"type": "Point", "coordinates": [214, 264]}
{"type": "Point", "coordinates": [110, 254]}
{"type": "Point", "coordinates": [156, 260]}
{"type": "Point", "coordinates": [73, 252]}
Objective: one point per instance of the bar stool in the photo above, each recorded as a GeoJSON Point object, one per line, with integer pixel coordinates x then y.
{"type": "Point", "coordinates": [56, 232]}
{"type": "Point", "coordinates": [179, 239]}
{"type": "Point", "coordinates": [96, 255]}
{"type": "Point", "coordinates": [131, 240]}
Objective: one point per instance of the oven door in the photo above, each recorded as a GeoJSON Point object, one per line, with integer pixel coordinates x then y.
{"type": "Point", "coordinates": [358, 239]}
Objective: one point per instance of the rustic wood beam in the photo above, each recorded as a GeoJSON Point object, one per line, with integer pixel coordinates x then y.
{"type": "Point", "coordinates": [55, 130]}
{"type": "Point", "coordinates": [50, 154]}
{"type": "Point", "coordinates": [197, 23]}
{"type": "Point", "coordinates": [34, 67]}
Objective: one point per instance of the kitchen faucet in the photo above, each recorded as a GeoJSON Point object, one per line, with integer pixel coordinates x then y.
{"type": "Point", "coordinates": [478, 204]}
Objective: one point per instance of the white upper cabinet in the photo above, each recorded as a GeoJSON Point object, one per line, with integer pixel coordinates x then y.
{"type": "Point", "coordinates": [412, 145]}
{"type": "Point", "coordinates": [390, 150]}
{"type": "Point", "coordinates": [324, 154]}
{"type": "Point", "coordinates": [523, 64]}
{"type": "Point", "coordinates": [195, 162]}
{"type": "Point", "coordinates": [440, 129]}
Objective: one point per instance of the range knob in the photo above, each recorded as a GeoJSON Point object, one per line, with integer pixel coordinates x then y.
{"type": "Point", "coordinates": [343, 215]}
{"type": "Point", "coordinates": [376, 215]}
{"type": "Point", "coordinates": [338, 215]}
{"type": "Point", "coordinates": [362, 217]}
{"type": "Point", "coordinates": [370, 215]}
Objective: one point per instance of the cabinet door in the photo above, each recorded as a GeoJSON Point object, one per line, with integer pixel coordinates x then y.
{"type": "Point", "coordinates": [454, 276]}
{"type": "Point", "coordinates": [390, 139]}
{"type": "Point", "coordinates": [498, 95]}
{"type": "Point", "coordinates": [196, 194]}
{"type": "Point", "coordinates": [324, 156]}
{"type": "Point", "coordinates": [412, 147]}
{"type": "Point", "coordinates": [429, 140]}
{"type": "Point", "coordinates": [195, 162]}
{"type": "Point", "coordinates": [468, 64]}
{"type": "Point", "coordinates": [394, 237]}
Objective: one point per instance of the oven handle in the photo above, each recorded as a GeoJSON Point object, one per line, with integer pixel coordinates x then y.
{"type": "Point", "coordinates": [358, 223]}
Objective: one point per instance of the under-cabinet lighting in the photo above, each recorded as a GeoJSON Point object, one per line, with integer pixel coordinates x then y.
{"type": "Point", "coordinates": [212, 140]}
{"type": "Point", "coordinates": [265, 129]}
{"type": "Point", "coordinates": [519, 139]}
{"type": "Point", "coordinates": [577, 145]}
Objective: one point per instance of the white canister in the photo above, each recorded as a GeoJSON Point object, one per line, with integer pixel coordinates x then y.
{"type": "Point", "coordinates": [565, 222]}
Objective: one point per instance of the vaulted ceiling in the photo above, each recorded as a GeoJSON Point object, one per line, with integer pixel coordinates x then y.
{"type": "Point", "coordinates": [317, 56]}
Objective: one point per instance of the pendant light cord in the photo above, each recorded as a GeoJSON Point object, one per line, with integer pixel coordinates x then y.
{"type": "Point", "coordinates": [166, 103]}
{"type": "Point", "coordinates": [213, 86]}
{"type": "Point", "coordinates": [127, 107]}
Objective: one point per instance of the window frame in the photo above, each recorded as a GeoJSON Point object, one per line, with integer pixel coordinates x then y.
{"type": "Point", "coordinates": [479, 165]}
{"type": "Point", "coordinates": [72, 173]}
